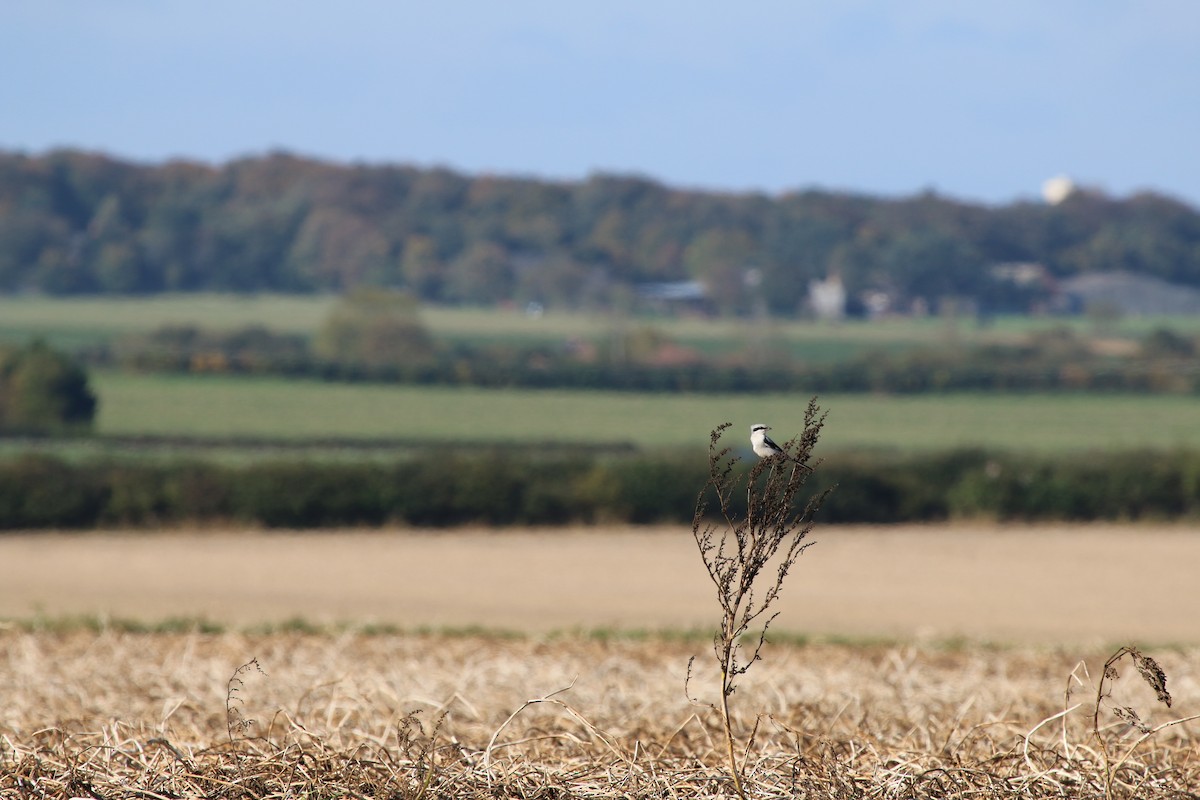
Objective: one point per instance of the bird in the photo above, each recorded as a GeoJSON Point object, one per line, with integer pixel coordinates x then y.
{"type": "Point", "coordinates": [765, 447]}
{"type": "Point", "coordinates": [762, 444]}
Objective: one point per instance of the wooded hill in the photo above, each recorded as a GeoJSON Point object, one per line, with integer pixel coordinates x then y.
{"type": "Point", "coordinates": [74, 222]}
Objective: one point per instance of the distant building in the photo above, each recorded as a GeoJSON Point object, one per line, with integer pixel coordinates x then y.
{"type": "Point", "coordinates": [827, 298]}
{"type": "Point", "coordinates": [875, 303]}
{"type": "Point", "coordinates": [1127, 293]}
{"type": "Point", "coordinates": [1026, 274]}
{"type": "Point", "coordinates": [1020, 287]}
{"type": "Point", "coordinates": [675, 296]}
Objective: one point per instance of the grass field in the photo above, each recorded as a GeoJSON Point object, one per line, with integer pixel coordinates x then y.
{"type": "Point", "coordinates": [275, 408]}
{"type": "Point", "coordinates": [101, 317]}
{"type": "Point", "coordinates": [244, 706]}
{"type": "Point", "coordinates": [75, 322]}
{"type": "Point", "coordinates": [299, 410]}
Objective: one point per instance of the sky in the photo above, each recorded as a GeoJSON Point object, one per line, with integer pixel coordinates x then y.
{"type": "Point", "coordinates": [981, 101]}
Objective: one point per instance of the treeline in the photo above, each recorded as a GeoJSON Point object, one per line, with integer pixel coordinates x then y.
{"type": "Point", "coordinates": [441, 490]}
{"type": "Point", "coordinates": [641, 359]}
{"type": "Point", "coordinates": [74, 222]}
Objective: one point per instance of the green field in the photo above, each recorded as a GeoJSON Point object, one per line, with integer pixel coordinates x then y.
{"type": "Point", "coordinates": [296, 411]}
{"type": "Point", "coordinates": [180, 406]}
{"type": "Point", "coordinates": [79, 322]}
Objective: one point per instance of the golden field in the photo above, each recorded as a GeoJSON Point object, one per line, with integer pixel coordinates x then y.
{"type": "Point", "coordinates": [936, 664]}
{"type": "Point", "coordinates": [166, 715]}
{"type": "Point", "coordinates": [1046, 584]}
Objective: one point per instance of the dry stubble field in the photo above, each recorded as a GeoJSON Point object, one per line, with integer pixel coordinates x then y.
{"type": "Point", "coordinates": [87, 712]}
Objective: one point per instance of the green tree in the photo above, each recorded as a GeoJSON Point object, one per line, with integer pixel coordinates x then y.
{"type": "Point", "coordinates": [374, 328]}
{"type": "Point", "coordinates": [721, 259]}
{"type": "Point", "coordinates": [932, 265]}
{"type": "Point", "coordinates": [422, 268]}
{"type": "Point", "coordinates": [42, 390]}
{"type": "Point", "coordinates": [482, 275]}
{"type": "Point", "coordinates": [337, 250]}
{"type": "Point", "coordinates": [557, 280]}
{"type": "Point", "coordinates": [118, 268]}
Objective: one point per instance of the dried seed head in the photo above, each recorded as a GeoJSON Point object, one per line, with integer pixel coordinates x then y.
{"type": "Point", "coordinates": [1154, 676]}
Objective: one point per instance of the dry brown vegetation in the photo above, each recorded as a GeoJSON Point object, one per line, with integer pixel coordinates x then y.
{"type": "Point", "coordinates": [107, 713]}
{"type": "Point", "coordinates": [220, 710]}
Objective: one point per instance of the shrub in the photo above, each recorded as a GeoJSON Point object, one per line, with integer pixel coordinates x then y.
{"type": "Point", "coordinates": [374, 328]}
{"type": "Point", "coordinates": [308, 495]}
{"type": "Point", "coordinates": [43, 391]}
{"type": "Point", "coordinates": [654, 490]}
{"type": "Point", "coordinates": [136, 495]}
{"type": "Point", "coordinates": [42, 492]}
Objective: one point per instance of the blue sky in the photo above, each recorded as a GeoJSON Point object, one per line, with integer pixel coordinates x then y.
{"type": "Point", "coordinates": [977, 100]}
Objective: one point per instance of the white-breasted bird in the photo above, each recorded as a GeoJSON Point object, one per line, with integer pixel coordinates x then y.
{"type": "Point", "coordinates": [765, 447]}
{"type": "Point", "coordinates": [762, 444]}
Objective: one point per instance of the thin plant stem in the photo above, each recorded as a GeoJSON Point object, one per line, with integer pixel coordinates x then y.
{"type": "Point", "coordinates": [737, 545]}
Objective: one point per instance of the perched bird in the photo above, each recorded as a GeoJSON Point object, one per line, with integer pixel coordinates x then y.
{"type": "Point", "coordinates": [764, 446]}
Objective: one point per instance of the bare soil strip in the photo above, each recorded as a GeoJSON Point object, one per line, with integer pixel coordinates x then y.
{"type": "Point", "coordinates": [1036, 584]}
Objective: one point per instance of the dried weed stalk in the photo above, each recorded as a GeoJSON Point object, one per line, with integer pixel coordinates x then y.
{"type": "Point", "coordinates": [749, 550]}
{"type": "Point", "coordinates": [1129, 726]}
{"type": "Point", "coordinates": [236, 722]}
{"type": "Point", "coordinates": [419, 750]}
{"type": "Point", "coordinates": [1130, 722]}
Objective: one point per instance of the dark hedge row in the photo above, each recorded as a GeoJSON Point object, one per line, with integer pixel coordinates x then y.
{"type": "Point", "coordinates": [1056, 361]}
{"type": "Point", "coordinates": [493, 489]}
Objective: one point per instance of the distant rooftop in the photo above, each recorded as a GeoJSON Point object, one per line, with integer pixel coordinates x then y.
{"type": "Point", "coordinates": [1140, 295]}
{"type": "Point", "coordinates": [673, 290]}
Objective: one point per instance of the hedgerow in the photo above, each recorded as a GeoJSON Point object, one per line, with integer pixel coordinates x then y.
{"type": "Point", "coordinates": [500, 489]}
{"type": "Point", "coordinates": [1052, 363]}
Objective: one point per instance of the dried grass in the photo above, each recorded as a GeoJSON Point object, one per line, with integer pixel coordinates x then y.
{"type": "Point", "coordinates": [106, 714]}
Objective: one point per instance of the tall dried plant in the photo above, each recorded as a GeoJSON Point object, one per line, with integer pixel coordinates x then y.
{"type": "Point", "coordinates": [1128, 733]}
{"type": "Point", "coordinates": [749, 549]}
{"type": "Point", "coordinates": [1138, 730]}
